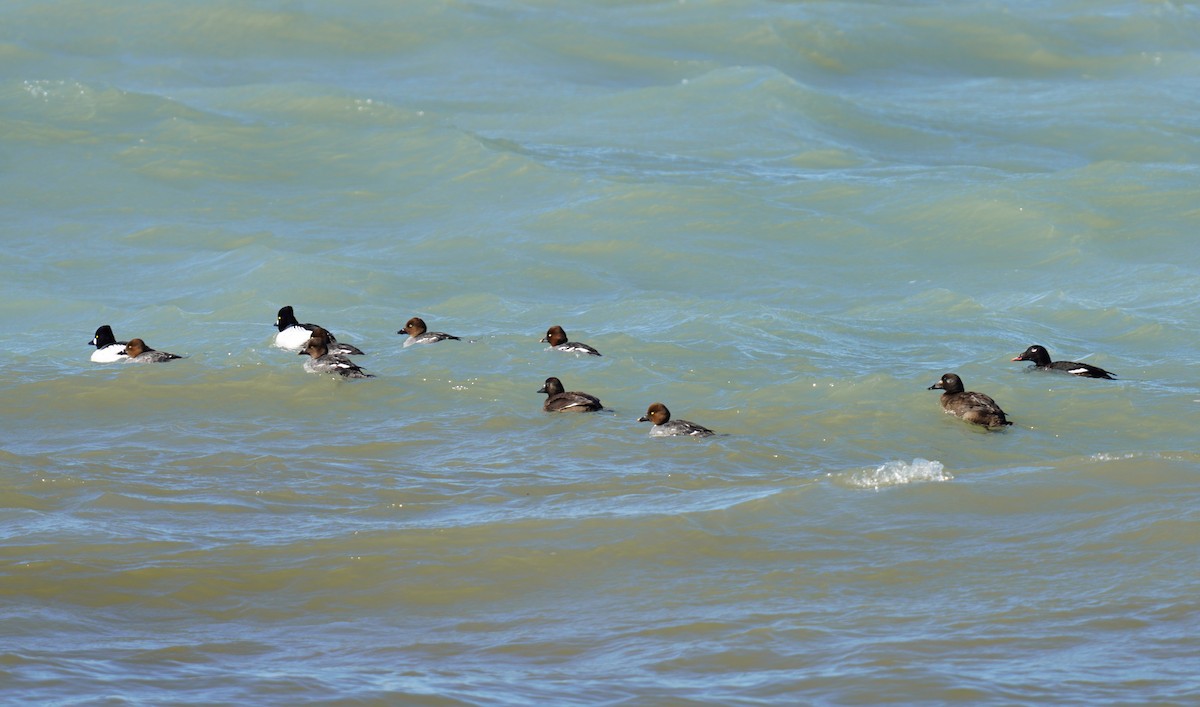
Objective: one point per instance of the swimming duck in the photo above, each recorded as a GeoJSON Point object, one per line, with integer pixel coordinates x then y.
{"type": "Point", "coordinates": [973, 407]}
{"type": "Point", "coordinates": [138, 352]}
{"type": "Point", "coordinates": [1041, 361]}
{"type": "Point", "coordinates": [557, 338]}
{"type": "Point", "coordinates": [108, 349]}
{"type": "Point", "coordinates": [294, 336]}
{"type": "Point", "coordinates": [418, 333]}
{"type": "Point", "coordinates": [664, 426]}
{"type": "Point", "coordinates": [321, 360]}
{"type": "Point", "coordinates": [559, 400]}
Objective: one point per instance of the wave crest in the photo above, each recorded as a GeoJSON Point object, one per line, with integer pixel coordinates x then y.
{"type": "Point", "coordinates": [897, 473]}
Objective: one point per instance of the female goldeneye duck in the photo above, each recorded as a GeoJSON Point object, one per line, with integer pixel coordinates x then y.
{"type": "Point", "coordinates": [664, 426]}
{"type": "Point", "coordinates": [559, 400]}
{"type": "Point", "coordinates": [108, 349]}
{"type": "Point", "coordinates": [294, 336]}
{"type": "Point", "coordinates": [137, 351]}
{"type": "Point", "coordinates": [557, 338]}
{"type": "Point", "coordinates": [1041, 361]}
{"type": "Point", "coordinates": [320, 360]}
{"type": "Point", "coordinates": [975, 408]}
{"type": "Point", "coordinates": [326, 338]}
{"type": "Point", "coordinates": [418, 334]}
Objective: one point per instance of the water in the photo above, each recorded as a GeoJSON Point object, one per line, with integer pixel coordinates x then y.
{"type": "Point", "coordinates": [785, 221]}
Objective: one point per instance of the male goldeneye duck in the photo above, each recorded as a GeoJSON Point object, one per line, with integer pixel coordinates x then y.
{"type": "Point", "coordinates": [108, 349]}
{"type": "Point", "coordinates": [138, 352]}
{"type": "Point", "coordinates": [559, 400]}
{"type": "Point", "coordinates": [557, 338]}
{"type": "Point", "coordinates": [294, 336]}
{"type": "Point", "coordinates": [418, 334]}
{"type": "Point", "coordinates": [975, 408]}
{"type": "Point", "coordinates": [664, 426]}
{"type": "Point", "coordinates": [1041, 361]}
{"type": "Point", "coordinates": [320, 360]}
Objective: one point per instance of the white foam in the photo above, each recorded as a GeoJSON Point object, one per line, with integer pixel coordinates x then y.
{"type": "Point", "coordinates": [1111, 457]}
{"type": "Point", "coordinates": [897, 473]}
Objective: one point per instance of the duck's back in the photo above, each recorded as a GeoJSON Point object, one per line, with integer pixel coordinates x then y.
{"type": "Point", "coordinates": [975, 407]}
{"type": "Point", "coordinates": [572, 402]}
{"type": "Point", "coordinates": [1084, 370]}
{"type": "Point", "coordinates": [680, 428]}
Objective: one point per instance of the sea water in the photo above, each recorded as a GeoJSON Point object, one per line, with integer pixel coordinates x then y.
{"type": "Point", "coordinates": [785, 221]}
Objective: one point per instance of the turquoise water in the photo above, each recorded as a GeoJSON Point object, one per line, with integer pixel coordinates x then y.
{"type": "Point", "coordinates": [783, 220]}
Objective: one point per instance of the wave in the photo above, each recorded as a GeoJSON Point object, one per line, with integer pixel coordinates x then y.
{"type": "Point", "coordinates": [895, 473]}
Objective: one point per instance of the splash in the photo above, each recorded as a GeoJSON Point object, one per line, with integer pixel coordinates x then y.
{"type": "Point", "coordinates": [897, 473]}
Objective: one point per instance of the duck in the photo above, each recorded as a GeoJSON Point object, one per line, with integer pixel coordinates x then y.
{"type": "Point", "coordinates": [973, 407]}
{"type": "Point", "coordinates": [1041, 362]}
{"type": "Point", "coordinates": [664, 426]}
{"type": "Point", "coordinates": [108, 349]}
{"type": "Point", "coordinates": [294, 336]}
{"type": "Point", "coordinates": [321, 360]}
{"type": "Point", "coordinates": [559, 400]}
{"type": "Point", "coordinates": [136, 351]}
{"type": "Point", "coordinates": [418, 333]}
{"type": "Point", "coordinates": [557, 338]}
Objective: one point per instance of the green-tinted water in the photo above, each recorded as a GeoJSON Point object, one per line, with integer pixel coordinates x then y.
{"type": "Point", "coordinates": [783, 221]}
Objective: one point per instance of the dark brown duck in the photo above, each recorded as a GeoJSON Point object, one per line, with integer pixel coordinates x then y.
{"type": "Point", "coordinates": [559, 399]}
{"type": "Point", "coordinates": [973, 407]}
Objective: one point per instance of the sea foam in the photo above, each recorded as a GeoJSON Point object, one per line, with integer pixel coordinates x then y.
{"type": "Point", "coordinates": [896, 473]}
